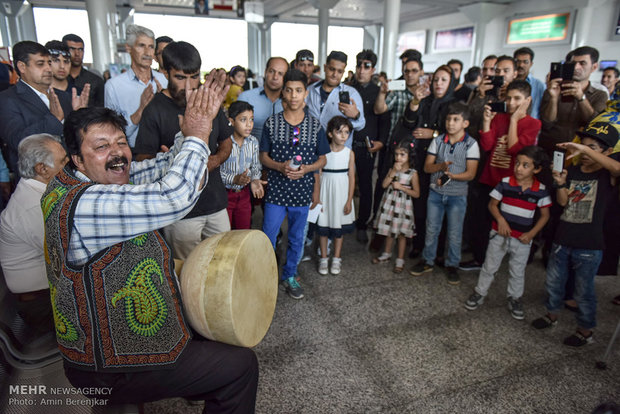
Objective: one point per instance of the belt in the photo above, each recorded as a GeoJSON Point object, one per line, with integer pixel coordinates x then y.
{"type": "Point", "coordinates": [30, 296]}
{"type": "Point", "coordinates": [335, 171]}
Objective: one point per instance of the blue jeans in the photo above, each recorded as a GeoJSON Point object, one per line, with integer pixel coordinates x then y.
{"type": "Point", "coordinates": [297, 218]}
{"type": "Point", "coordinates": [585, 264]}
{"type": "Point", "coordinates": [454, 208]}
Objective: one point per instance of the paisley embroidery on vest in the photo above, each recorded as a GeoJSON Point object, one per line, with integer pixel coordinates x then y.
{"type": "Point", "coordinates": [140, 240]}
{"type": "Point", "coordinates": [50, 201]}
{"type": "Point", "coordinates": [64, 329]}
{"type": "Point", "coordinates": [145, 308]}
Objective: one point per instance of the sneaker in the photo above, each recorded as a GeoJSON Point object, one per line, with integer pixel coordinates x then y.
{"type": "Point", "coordinates": [544, 322]}
{"type": "Point", "coordinates": [474, 301]}
{"type": "Point", "coordinates": [470, 265]}
{"type": "Point", "coordinates": [336, 265]}
{"type": "Point", "coordinates": [453, 276]}
{"type": "Point", "coordinates": [306, 258]}
{"type": "Point", "coordinates": [293, 288]}
{"type": "Point", "coordinates": [361, 236]}
{"type": "Point", "coordinates": [516, 308]}
{"type": "Point", "coordinates": [420, 268]}
{"type": "Point", "coordinates": [323, 264]}
{"type": "Point", "coordinates": [577, 339]}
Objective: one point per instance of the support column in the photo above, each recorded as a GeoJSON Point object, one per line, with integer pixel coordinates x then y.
{"type": "Point", "coordinates": [584, 23]}
{"type": "Point", "coordinates": [480, 14]}
{"type": "Point", "coordinates": [390, 36]}
{"type": "Point", "coordinates": [100, 33]}
{"type": "Point", "coordinates": [259, 45]}
{"type": "Point", "coordinates": [17, 22]}
{"type": "Point", "coordinates": [323, 29]}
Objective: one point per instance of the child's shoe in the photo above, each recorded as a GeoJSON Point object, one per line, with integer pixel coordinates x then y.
{"type": "Point", "coordinates": [516, 308]}
{"type": "Point", "coordinates": [399, 265]}
{"type": "Point", "coordinates": [474, 301]}
{"type": "Point", "coordinates": [383, 258]}
{"type": "Point", "coordinates": [336, 265]}
{"type": "Point", "coordinates": [323, 264]}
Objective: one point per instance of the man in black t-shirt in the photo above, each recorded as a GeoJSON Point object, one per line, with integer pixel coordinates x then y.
{"type": "Point", "coordinates": [159, 125]}
{"type": "Point", "coordinates": [78, 75]}
{"type": "Point", "coordinates": [584, 191]}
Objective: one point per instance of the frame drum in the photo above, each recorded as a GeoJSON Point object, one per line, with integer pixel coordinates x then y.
{"type": "Point", "coordinates": [229, 285]}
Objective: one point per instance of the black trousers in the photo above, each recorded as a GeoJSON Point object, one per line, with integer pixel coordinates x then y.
{"type": "Point", "coordinates": [224, 376]}
{"type": "Point", "coordinates": [364, 165]}
{"type": "Point", "coordinates": [478, 219]}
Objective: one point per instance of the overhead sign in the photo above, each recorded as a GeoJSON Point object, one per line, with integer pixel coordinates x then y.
{"type": "Point", "coordinates": [546, 28]}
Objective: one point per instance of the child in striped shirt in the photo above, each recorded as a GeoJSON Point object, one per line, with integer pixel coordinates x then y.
{"type": "Point", "coordinates": [241, 172]}
{"type": "Point", "coordinates": [513, 204]}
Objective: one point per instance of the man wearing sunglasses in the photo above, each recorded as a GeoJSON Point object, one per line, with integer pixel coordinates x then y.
{"type": "Point", "coordinates": [304, 61]}
{"type": "Point", "coordinates": [369, 140]}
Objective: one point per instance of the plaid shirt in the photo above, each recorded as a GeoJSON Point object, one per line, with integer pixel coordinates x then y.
{"type": "Point", "coordinates": [396, 102]}
{"type": "Point", "coordinates": [241, 158]}
{"type": "Point", "coordinates": [162, 190]}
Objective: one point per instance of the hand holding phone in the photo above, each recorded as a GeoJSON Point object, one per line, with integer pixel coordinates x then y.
{"type": "Point", "coordinates": [343, 97]}
{"type": "Point", "coordinates": [558, 160]}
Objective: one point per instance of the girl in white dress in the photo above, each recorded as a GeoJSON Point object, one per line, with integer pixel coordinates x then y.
{"type": "Point", "coordinates": [337, 185]}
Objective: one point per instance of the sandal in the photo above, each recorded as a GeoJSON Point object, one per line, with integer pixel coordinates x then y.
{"type": "Point", "coordinates": [384, 258]}
{"type": "Point", "coordinates": [399, 265]}
{"type": "Point", "coordinates": [616, 300]}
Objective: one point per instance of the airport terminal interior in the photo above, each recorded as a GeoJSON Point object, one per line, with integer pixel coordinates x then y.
{"type": "Point", "coordinates": [367, 340]}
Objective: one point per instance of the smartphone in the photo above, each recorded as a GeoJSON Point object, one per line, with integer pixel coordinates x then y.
{"type": "Point", "coordinates": [499, 107]}
{"type": "Point", "coordinates": [368, 143]}
{"type": "Point", "coordinates": [444, 179]}
{"type": "Point", "coordinates": [397, 85]}
{"type": "Point", "coordinates": [496, 80]}
{"type": "Point", "coordinates": [343, 96]}
{"type": "Point", "coordinates": [555, 71]}
{"type": "Point", "coordinates": [558, 160]}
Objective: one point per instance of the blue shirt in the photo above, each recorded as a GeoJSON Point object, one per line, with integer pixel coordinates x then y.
{"type": "Point", "coordinates": [538, 89]}
{"type": "Point", "coordinates": [326, 111]}
{"type": "Point", "coordinates": [122, 94]}
{"type": "Point", "coordinates": [4, 171]}
{"type": "Point", "coordinates": [263, 108]}
{"type": "Point", "coordinates": [278, 143]}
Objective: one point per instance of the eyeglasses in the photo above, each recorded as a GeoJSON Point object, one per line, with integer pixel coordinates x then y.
{"type": "Point", "coordinates": [365, 65]}
{"type": "Point", "coordinates": [295, 138]}
{"type": "Point", "coordinates": [303, 58]}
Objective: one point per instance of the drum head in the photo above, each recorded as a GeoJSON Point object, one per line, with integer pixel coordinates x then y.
{"type": "Point", "coordinates": [229, 285]}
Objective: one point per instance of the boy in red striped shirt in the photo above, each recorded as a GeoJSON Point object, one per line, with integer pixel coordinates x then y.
{"type": "Point", "coordinates": [513, 205]}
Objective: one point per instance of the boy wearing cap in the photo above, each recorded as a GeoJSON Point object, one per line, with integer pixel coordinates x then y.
{"type": "Point", "coordinates": [584, 191]}
{"type": "Point", "coordinates": [304, 61]}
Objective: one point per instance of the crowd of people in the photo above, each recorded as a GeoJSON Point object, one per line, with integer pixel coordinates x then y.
{"type": "Point", "coordinates": [112, 179]}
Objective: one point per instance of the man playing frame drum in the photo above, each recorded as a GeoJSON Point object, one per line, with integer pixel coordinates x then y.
{"type": "Point", "coordinates": [116, 303]}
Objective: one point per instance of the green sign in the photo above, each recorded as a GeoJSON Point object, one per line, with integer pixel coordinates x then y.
{"type": "Point", "coordinates": [545, 28]}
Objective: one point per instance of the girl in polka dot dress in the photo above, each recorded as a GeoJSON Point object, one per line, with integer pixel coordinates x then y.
{"type": "Point", "coordinates": [395, 219]}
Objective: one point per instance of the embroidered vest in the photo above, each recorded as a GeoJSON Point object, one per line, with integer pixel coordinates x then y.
{"type": "Point", "coordinates": [121, 311]}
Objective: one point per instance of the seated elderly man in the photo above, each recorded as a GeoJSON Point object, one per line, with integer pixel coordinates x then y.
{"type": "Point", "coordinates": [118, 310]}
{"type": "Point", "coordinates": [40, 157]}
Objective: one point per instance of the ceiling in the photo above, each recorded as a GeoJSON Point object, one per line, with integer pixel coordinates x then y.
{"type": "Point", "coordinates": [345, 12]}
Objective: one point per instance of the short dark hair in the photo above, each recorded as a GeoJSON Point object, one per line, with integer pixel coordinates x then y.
{"type": "Point", "coordinates": [181, 56]}
{"type": "Point", "coordinates": [72, 38]}
{"type": "Point", "coordinates": [295, 75]}
{"type": "Point", "coordinates": [367, 54]}
{"type": "Point", "coordinates": [22, 51]}
{"type": "Point", "coordinates": [458, 62]}
{"type": "Point", "coordinates": [56, 47]}
{"type": "Point", "coordinates": [337, 55]}
{"type": "Point", "coordinates": [163, 39]}
{"type": "Point", "coordinates": [522, 86]}
{"type": "Point", "coordinates": [489, 57]}
{"type": "Point", "coordinates": [459, 108]}
{"type": "Point", "coordinates": [78, 122]}
{"type": "Point", "coordinates": [585, 50]}
{"type": "Point", "coordinates": [238, 107]}
{"type": "Point", "coordinates": [414, 60]}
{"type": "Point", "coordinates": [277, 58]}
{"type": "Point", "coordinates": [411, 54]}
{"type": "Point", "coordinates": [336, 123]}
{"type": "Point", "coordinates": [472, 74]}
{"type": "Point", "coordinates": [503, 58]}
{"type": "Point", "coordinates": [615, 70]}
{"type": "Point", "coordinates": [536, 154]}
{"type": "Point", "coordinates": [524, 51]}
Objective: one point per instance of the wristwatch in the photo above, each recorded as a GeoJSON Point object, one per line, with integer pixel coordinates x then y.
{"type": "Point", "coordinates": [583, 98]}
{"type": "Point", "coordinates": [435, 133]}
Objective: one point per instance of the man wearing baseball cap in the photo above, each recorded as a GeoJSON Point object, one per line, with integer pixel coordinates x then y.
{"type": "Point", "coordinates": [584, 190]}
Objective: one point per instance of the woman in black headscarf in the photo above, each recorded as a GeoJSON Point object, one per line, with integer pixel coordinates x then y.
{"type": "Point", "coordinates": [422, 121]}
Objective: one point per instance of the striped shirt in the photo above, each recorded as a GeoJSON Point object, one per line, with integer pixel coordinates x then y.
{"type": "Point", "coordinates": [518, 206]}
{"type": "Point", "coordinates": [162, 191]}
{"type": "Point", "coordinates": [244, 157]}
{"type": "Point", "coordinates": [396, 102]}
{"type": "Point", "coordinates": [458, 154]}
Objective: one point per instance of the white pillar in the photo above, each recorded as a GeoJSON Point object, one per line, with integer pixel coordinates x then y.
{"type": "Point", "coordinates": [391, 14]}
{"type": "Point", "coordinates": [323, 26]}
{"type": "Point", "coordinates": [17, 22]}
{"type": "Point", "coordinates": [99, 33]}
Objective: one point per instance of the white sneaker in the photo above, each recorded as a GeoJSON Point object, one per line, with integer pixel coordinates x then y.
{"type": "Point", "coordinates": [323, 263]}
{"type": "Point", "coordinates": [336, 265]}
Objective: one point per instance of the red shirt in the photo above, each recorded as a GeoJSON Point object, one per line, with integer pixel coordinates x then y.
{"type": "Point", "coordinates": [500, 162]}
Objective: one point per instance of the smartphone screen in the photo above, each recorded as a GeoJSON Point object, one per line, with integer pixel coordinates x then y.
{"type": "Point", "coordinates": [558, 161]}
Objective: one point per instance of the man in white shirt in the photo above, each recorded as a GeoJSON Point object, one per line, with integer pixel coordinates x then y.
{"type": "Point", "coordinates": [41, 156]}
